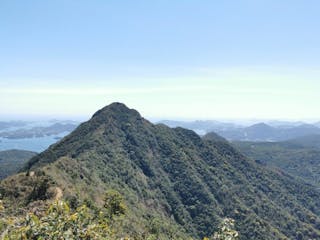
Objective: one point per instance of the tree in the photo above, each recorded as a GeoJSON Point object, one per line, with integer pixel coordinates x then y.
{"type": "Point", "coordinates": [226, 231]}
{"type": "Point", "coordinates": [59, 222]}
{"type": "Point", "coordinates": [114, 204]}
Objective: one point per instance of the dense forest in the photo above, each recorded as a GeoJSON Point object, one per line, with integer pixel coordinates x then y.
{"type": "Point", "coordinates": [298, 157]}
{"type": "Point", "coordinates": [168, 183]}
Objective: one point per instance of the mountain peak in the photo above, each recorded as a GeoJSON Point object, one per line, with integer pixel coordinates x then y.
{"type": "Point", "coordinates": [212, 136]}
{"type": "Point", "coordinates": [116, 111]}
{"type": "Point", "coordinates": [113, 118]}
{"type": "Point", "coordinates": [260, 127]}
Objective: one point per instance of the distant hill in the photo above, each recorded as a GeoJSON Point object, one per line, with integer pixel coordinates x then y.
{"type": "Point", "coordinates": [264, 132]}
{"type": "Point", "coordinates": [34, 136]}
{"type": "Point", "coordinates": [200, 126]}
{"type": "Point", "coordinates": [299, 157]}
{"type": "Point", "coordinates": [6, 125]}
{"type": "Point", "coordinates": [11, 161]}
{"type": "Point", "coordinates": [169, 178]}
{"type": "Point", "coordinates": [37, 132]}
{"type": "Point", "coordinates": [259, 132]}
{"type": "Point", "coordinates": [212, 136]}
{"type": "Point", "coordinates": [284, 124]}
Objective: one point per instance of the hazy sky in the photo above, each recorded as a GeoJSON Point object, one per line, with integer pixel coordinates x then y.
{"type": "Point", "coordinates": [168, 59]}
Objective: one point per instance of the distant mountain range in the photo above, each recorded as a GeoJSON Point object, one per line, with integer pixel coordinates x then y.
{"type": "Point", "coordinates": [264, 132]}
{"type": "Point", "coordinates": [279, 131]}
{"type": "Point", "coordinates": [168, 176]}
{"type": "Point", "coordinates": [201, 126]}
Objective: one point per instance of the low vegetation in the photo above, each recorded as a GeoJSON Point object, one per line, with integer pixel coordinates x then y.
{"type": "Point", "coordinates": [60, 221]}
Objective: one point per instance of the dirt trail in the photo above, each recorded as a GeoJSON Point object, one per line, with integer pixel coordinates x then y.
{"type": "Point", "coordinates": [59, 194]}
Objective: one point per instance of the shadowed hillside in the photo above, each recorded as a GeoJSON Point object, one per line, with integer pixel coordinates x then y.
{"type": "Point", "coordinates": [11, 161]}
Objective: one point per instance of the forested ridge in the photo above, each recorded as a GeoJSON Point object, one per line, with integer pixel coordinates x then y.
{"type": "Point", "coordinates": [171, 180]}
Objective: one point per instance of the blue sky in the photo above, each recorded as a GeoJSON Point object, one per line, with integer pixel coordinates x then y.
{"type": "Point", "coordinates": [168, 59]}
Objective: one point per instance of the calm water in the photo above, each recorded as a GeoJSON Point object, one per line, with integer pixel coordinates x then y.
{"type": "Point", "coordinates": [31, 144]}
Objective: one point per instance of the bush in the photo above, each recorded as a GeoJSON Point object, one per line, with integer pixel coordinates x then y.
{"type": "Point", "coordinates": [61, 222]}
{"type": "Point", "coordinates": [226, 231]}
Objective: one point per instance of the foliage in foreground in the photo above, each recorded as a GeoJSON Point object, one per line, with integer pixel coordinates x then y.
{"type": "Point", "coordinates": [61, 222]}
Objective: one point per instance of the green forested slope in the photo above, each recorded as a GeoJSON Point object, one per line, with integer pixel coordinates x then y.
{"type": "Point", "coordinates": [11, 161]}
{"type": "Point", "coordinates": [170, 176]}
{"type": "Point", "coordinates": [299, 160]}
{"type": "Point", "coordinates": [310, 141]}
